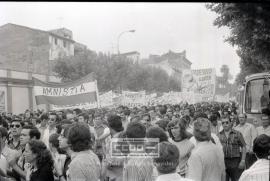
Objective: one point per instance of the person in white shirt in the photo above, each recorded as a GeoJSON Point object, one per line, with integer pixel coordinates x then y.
{"type": "Point", "coordinates": [206, 162]}
{"type": "Point", "coordinates": [259, 171]}
{"type": "Point", "coordinates": [265, 128]}
{"type": "Point", "coordinates": [167, 163]}
{"type": "Point", "coordinates": [51, 128]}
{"type": "Point", "coordinates": [249, 133]}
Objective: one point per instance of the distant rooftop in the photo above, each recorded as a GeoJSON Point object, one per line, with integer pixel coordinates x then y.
{"type": "Point", "coordinates": [52, 32]}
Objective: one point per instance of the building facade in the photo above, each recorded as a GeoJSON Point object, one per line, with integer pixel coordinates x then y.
{"type": "Point", "coordinates": [26, 53]}
{"type": "Point", "coordinates": [31, 50]}
{"type": "Point", "coordinates": [171, 62]}
{"type": "Point", "coordinates": [132, 56]}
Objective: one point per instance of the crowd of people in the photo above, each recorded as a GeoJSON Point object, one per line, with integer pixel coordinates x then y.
{"type": "Point", "coordinates": [196, 142]}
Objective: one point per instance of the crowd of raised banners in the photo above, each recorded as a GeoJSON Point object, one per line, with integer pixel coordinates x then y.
{"type": "Point", "coordinates": [84, 93]}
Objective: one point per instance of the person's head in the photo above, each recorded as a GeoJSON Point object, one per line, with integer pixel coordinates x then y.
{"type": "Point", "coordinates": [54, 142]}
{"type": "Point", "coordinates": [213, 119]}
{"type": "Point", "coordinates": [135, 130]}
{"type": "Point", "coordinates": [177, 129]}
{"type": "Point", "coordinates": [36, 153]}
{"type": "Point", "coordinates": [157, 132]}
{"type": "Point", "coordinates": [16, 127]}
{"type": "Point", "coordinates": [115, 123]}
{"type": "Point", "coordinates": [226, 123]}
{"type": "Point", "coordinates": [265, 117]}
{"type": "Point", "coordinates": [186, 111]}
{"type": "Point", "coordinates": [175, 117]}
{"type": "Point", "coordinates": [162, 110]}
{"type": "Point", "coordinates": [146, 119]}
{"type": "Point", "coordinates": [265, 120]}
{"type": "Point", "coordinates": [265, 87]}
{"type": "Point", "coordinates": [4, 135]}
{"type": "Point", "coordinates": [52, 119]}
{"type": "Point", "coordinates": [29, 133]}
{"type": "Point", "coordinates": [83, 118]}
{"type": "Point", "coordinates": [170, 113]}
{"type": "Point", "coordinates": [168, 159]}
{"type": "Point", "coordinates": [242, 118]}
{"type": "Point", "coordinates": [202, 130]}
{"type": "Point", "coordinates": [60, 114]}
{"type": "Point", "coordinates": [44, 119]}
{"type": "Point", "coordinates": [98, 119]}
{"type": "Point", "coordinates": [63, 137]}
{"type": "Point", "coordinates": [76, 112]}
{"type": "Point", "coordinates": [162, 124]}
{"type": "Point", "coordinates": [27, 114]}
{"type": "Point", "coordinates": [70, 115]}
{"type": "Point", "coordinates": [79, 137]}
{"type": "Point", "coordinates": [261, 146]}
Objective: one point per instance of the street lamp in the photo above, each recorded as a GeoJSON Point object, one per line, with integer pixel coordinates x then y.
{"type": "Point", "coordinates": [129, 31]}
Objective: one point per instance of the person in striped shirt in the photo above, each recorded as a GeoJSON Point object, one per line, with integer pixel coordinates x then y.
{"type": "Point", "coordinates": [259, 171]}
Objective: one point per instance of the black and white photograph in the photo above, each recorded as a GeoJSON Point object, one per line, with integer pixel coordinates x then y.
{"type": "Point", "coordinates": [134, 91]}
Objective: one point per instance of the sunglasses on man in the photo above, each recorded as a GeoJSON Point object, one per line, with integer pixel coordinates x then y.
{"type": "Point", "coordinates": [15, 126]}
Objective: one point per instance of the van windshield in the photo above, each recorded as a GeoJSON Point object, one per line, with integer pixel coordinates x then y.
{"type": "Point", "coordinates": [254, 97]}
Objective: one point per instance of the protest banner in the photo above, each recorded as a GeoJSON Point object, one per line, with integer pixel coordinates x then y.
{"type": "Point", "coordinates": [222, 98]}
{"type": "Point", "coordinates": [2, 101]}
{"type": "Point", "coordinates": [82, 93]}
{"type": "Point", "coordinates": [106, 99]}
{"type": "Point", "coordinates": [201, 81]}
{"type": "Point", "coordinates": [133, 99]}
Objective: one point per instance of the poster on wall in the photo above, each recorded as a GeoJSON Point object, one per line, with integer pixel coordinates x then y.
{"type": "Point", "coordinates": [200, 81]}
{"type": "Point", "coordinates": [2, 101]}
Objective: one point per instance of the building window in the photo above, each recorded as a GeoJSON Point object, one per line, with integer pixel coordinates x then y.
{"type": "Point", "coordinates": [65, 44]}
{"type": "Point", "coordinates": [55, 41]}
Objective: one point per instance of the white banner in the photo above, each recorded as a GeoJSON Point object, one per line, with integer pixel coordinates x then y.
{"type": "Point", "coordinates": [106, 99]}
{"type": "Point", "coordinates": [223, 98]}
{"type": "Point", "coordinates": [133, 99]}
{"type": "Point", "coordinates": [201, 81]}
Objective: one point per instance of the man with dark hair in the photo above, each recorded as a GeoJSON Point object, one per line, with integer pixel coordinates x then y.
{"type": "Point", "coordinates": [162, 110]}
{"type": "Point", "coordinates": [259, 171]}
{"type": "Point", "coordinates": [232, 142]}
{"type": "Point", "coordinates": [15, 130]}
{"type": "Point", "coordinates": [137, 168]}
{"type": "Point", "coordinates": [167, 162]}
{"type": "Point", "coordinates": [146, 120]}
{"type": "Point", "coordinates": [157, 132]}
{"type": "Point", "coordinates": [70, 115]}
{"type": "Point", "coordinates": [50, 129]}
{"type": "Point", "coordinates": [215, 124]}
{"type": "Point", "coordinates": [76, 112]}
{"type": "Point", "coordinates": [265, 127]}
{"type": "Point", "coordinates": [84, 165]}
{"type": "Point", "coordinates": [114, 166]}
{"type": "Point", "coordinates": [18, 162]}
{"type": "Point", "coordinates": [206, 162]}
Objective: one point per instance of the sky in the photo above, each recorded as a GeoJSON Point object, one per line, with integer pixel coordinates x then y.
{"type": "Point", "coordinates": [159, 27]}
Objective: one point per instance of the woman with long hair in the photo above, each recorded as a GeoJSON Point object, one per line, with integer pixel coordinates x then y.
{"type": "Point", "coordinates": [180, 137]}
{"type": "Point", "coordinates": [40, 162]}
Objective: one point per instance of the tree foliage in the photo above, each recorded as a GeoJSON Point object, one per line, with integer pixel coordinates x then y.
{"type": "Point", "coordinates": [250, 32]}
{"type": "Point", "coordinates": [115, 73]}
